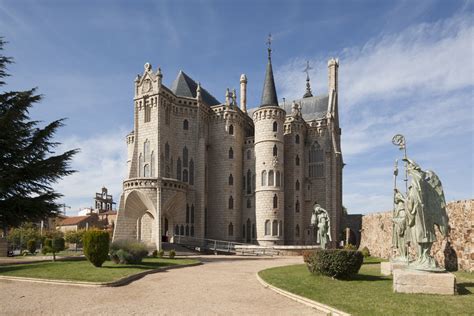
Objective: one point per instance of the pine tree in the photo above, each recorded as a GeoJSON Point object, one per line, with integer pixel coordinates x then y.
{"type": "Point", "coordinates": [29, 165]}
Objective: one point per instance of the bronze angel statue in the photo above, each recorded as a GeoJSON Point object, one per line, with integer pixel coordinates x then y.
{"type": "Point", "coordinates": [425, 209]}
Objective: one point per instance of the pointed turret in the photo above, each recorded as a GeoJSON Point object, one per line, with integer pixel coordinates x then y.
{"type": "Point", "coordinates": [269, 95]}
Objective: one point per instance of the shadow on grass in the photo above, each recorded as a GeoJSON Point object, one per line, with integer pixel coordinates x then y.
{"type": "Point", "coordinates": [463, 288]}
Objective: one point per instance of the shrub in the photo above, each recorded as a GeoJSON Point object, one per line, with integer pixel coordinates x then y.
{"type": "Point", "coordinates": [307, 255]}
{"type": "Point", "coordinates": [31, 245]}
{"type": "Point", "coordinates": [96, 246]}
{"type": "Point", "coordinates": [335, 263]}
{"type": "Point", "coordinates": [154, 254]}
{"type": "Point", "coordinates": [127, 251]}
{"type": "Point", "coordinates": [161, 253]}
{"type": "Point", "coordinates": [172, 254]}
{"type": "Point", "coordinates": [365, 252]}
{"type": "Point", "coordinates": [350, 247]}
{"type": "Point", "coordinates": [53, 245]}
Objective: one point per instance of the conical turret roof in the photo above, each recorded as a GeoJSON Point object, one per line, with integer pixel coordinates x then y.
{"type": "Point", "coordinates": [269, 95]}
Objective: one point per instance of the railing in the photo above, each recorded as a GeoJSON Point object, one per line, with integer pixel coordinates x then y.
{"type": "Point", "coordinates": [207, 244]}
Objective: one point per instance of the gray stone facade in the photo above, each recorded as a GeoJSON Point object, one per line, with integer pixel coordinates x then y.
{"type": "Point", "coordinates": [202, 168]}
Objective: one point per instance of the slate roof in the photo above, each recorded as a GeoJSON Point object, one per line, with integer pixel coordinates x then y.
{"type": "Point", "coordinates": [269, 96]}
{"type": "Point", "coordinates": [184, 86]}
{"type": "Point", "coordinates": [312, 108]}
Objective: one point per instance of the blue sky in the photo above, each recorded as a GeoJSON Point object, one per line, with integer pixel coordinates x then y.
{"type": "Point", "coordinates": [405, 67]}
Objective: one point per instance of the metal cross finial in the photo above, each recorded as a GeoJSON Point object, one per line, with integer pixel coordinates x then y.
{"type": "Point", "coordinates": [269, 43]}
{"type": "Point", "coordinates": [307, 69]}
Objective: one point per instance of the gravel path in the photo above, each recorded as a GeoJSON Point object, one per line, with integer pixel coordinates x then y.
{"type": "Point", "coordinates": [223, 285]}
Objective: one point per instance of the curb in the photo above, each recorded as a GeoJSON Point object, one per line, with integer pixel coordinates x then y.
{"type": "Point", "coordinates": [123, 281]}
{"type": "Point", "coordinates": [328, 310]}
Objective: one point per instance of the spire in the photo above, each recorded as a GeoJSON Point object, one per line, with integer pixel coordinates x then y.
{"type": "Point", "coordinates": [308, 86]}
{"type": "Point", "coordinates": [269, 96]}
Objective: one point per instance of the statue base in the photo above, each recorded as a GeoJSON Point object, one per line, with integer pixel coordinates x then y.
{"type": "Point", "coordinates": [414, 281]}
{"type": "Point", "coordinates": [386, 268]}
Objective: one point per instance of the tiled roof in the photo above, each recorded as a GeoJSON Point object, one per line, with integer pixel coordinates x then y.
{"type": "Point", "coordinates": [73, 220]}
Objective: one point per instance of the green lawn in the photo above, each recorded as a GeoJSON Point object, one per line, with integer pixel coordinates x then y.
{"type": "Point", "coordinates": [370, 293]}
{"type": "Point", "coordinates": [83, 270]}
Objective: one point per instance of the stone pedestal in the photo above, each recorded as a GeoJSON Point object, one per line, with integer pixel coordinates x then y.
{"type": "Point", "coordinates": [413, 281]}
{"type": "Point", "coordinates": [386, 268]}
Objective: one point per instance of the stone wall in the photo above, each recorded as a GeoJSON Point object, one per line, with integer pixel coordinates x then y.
{"type": "Point", "coordinates": [457, 252]}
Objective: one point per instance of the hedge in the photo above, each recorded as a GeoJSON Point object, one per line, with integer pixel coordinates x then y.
{"type": "Point", "coordinates": [335, 263]}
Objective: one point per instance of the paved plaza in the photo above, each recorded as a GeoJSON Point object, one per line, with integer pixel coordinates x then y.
{"type": "Point", "coordinates": [222, 285]}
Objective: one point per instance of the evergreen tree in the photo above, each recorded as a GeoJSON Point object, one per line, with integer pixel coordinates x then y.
{"type": "Point", "coordinates": [28, 163]}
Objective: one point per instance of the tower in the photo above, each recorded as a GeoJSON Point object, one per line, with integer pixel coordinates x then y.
{"type": "Point", "coordinates": [269, 121]}
{"type": "Point", "coordinates": [243, 93]}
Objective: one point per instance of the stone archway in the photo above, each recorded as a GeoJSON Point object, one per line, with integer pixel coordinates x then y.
{"type": "Point", "coordinates": [172, 214]}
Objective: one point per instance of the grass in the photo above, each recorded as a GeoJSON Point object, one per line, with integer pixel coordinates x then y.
{"type": "Point", "coordinates": [83, 270]}
{"type": "Point", "coordinates": [370, 293]}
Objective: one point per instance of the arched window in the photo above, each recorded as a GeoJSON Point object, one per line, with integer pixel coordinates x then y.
{"type": "Point", "coordinates": [275, 201]}
{"type": "Point", "coordinates": [187, 230]}
{"type": "Point", "coordinates": [271, 178]}
{"type": "Point", "coordinates": [152, 164]}
{"type": "Point", "coordinates": [267, 227]}
{"type": "Point", "coordinates": [140, 165]}
{"type": "Point", "coordinates": [264, 178]}
{"type": "Point", "coordinates": [275, 126]}
{"type": "Point", "coordinates": [297, 139]}
{"type": "Point", "coordinates": [297, 160]}
{"type": "Point", "coordinates": [231, 179]}
{"type": "Point", "coordinates": [176, 230]}
{"type": "Point", "coordinates": [231, 203]}
{"type": "Point", "coordinates": [147, 112]}
{"type": "Point", "coordinates": [275, 151]}
{"type": "Point", "coordinates": [192, 230]}
{"type": "Point", "coordinates": [254, 231]}
{"type": "Point", "coordinates": [185, 157]}
{"type": "Point", "coordinates": [187, 213]}
{"type": "Point", "coordinates": [297, 185]}
{"type": "Point", "coordinates": [167, 152]}
{"type": "Point", "coordinates": [249, 154]}
{"type": "Point", "coordinates": [191, 172]}
{"type": "Point", "coordinates": [297, 206]}
{"type": "Point", "coordinates": [181, 230]}
{"type": "Point", "coordinates": [297, 230]}
{"type": "Point", "coordinates": [280, 228]}
{"type": "Point", "coordinates": [178, 169]}
{"type": "Point", "coordinates": [249, 181]}
{"type": "Point", "coordinates": [192, 214]}
{"type": "Point", "coordinates": [231, 229]}
{"type": "Point", "coordinates": [231, 129]}
{"type": "Point", "coordinates": [249, 203]}
{"type": "Point", "coordinates": [185, 125]}
{"type": "Point", "coordinates": [231, 153]}
{"type": "Point", "coordinates": [278, 178]}
{"type": "Point", "coordinates": [275, 228]}
{"type": "Point", "coordinates": [146, 170]}
{"type": "Point", "coordinates": [185, 175]}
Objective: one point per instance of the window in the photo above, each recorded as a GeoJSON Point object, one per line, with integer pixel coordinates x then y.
{"type": "Point", "coordinates": [249, 203]}
{"type": "Point", "coordinates": [275, 201]}
{"type": "Point", "coordinates": [146, 148]}
{"type": "Point", "coordinates": [191, 172]}
{"type": "Point", "coordinates": [275, 126]}
{"type": "Point", "coordinates": [147, 112]}
{"type": "Point", "coordinates": [231, 153]}
{"type": "Point", "coordinates": [167, 151]}
{"type": "Point", "coordinates": [264, 178]}
{"type": "Point", "coordinates": [178, 169]}
{"type": "Point", "coordinates": [243, 230]}
{"type": "Point", "coordinates": [297, 231]}
{"type": "Point", "coordinates": [192, 214]}
{"type": "Point", "coordinates": [176, 230]}
{"type": "Point", "coordinates": [297, 139]}
{"type": "Point", "coordinates": [275, 228]}
{"type": "Point", "coordinates": [146, 170]}
{"type": "Point", "coordinates": [297, 206]}
{"type": "Point", "coordinates": [187, 230]}
{"type": "Point", "coordinates": [271, 178]}
{"type": "Point", "coordinates": [316, 161]}
{"type": "Point", "coordinates": [267, 227]}
{"type": "Point", "coordinates": [297, 160]}
{"type": "Point", "coordinates": [249, 181]}
{"type": "Point", "coordinates": [275, 151]}
{"type": "Point", "coordinates": [181, 230]}
{"type": "Point", "coordinates": [254, 231]}
{"type": "Point", "coordinates": [249, 154]}
{"type": "Point", "coordinates": [140, 165]}
{"type": "Point", "coordinates": [280, 228]}
{"type": "Point", "coordinates": [231, 129]}
{"type": "Point", "coordinates": [192, 230]}
{"type": "Point", "coordinates": [231, 203]}
{"type": "Point", "coordinates": [278, 180]}
{"type": "Point", "coordinates": [185, 157]}
{"type": "Point", "coordinates": [185, 175]}
{"type": "Point", "coordinates": [187, 213]}
{"type": "Point", "coordinates": [152, 164]}
{"type": "Point", "coordinates": [297, 185]}
{"type": "Point", "coordinates": [231, 180]}
{"type": "Point", "coordinates": [185, 125]}
{"type": "Point", "coordinates": [231, 229]}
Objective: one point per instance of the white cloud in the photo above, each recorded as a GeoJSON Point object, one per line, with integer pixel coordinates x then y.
{"type": "Point", "coordinates": [101, 162]}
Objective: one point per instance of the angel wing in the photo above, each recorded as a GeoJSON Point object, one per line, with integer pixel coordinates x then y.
{"type": "Point", "coordinates": [434, 202]}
